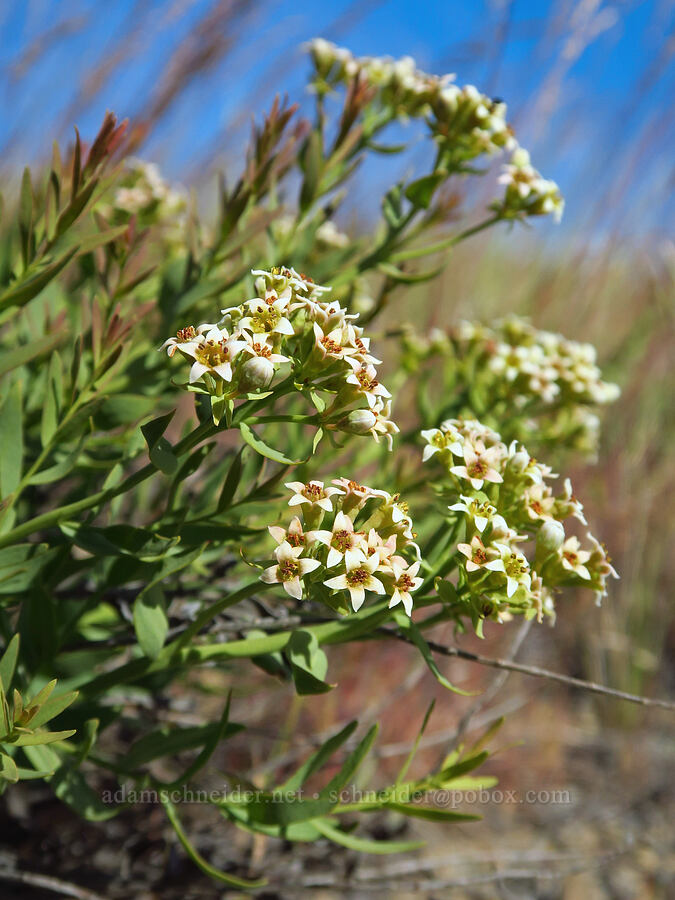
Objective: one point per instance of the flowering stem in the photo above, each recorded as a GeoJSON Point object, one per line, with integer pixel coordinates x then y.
{"type": "Point", "coordinates": [445, 244]}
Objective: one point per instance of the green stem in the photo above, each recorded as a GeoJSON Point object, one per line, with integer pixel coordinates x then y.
{"type": "Point", "coordinates": [446, 243]}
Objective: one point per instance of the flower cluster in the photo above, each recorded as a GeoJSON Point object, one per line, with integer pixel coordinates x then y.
{"type": "Point", "coordinates": [526, 192]}
{"type": "Point", "coordinates": [502, 497]}
{"type": "Point", "coordinates": [145, 193]}
{"type": "Point", "coordinates": [550, 385]}
{"type": "Point", "coordinates": [462, 120]}
{"type": "Point", "coordinates": [348, 540]}
{"type": "Point", "coordinates": [290, 324]}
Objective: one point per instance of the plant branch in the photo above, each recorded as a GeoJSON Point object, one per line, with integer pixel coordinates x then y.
{"type": "Point", "coordinates": [538, 672]}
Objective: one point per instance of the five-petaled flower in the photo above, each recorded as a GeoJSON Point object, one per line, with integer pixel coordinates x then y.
{"type": "Point", "coordinates": [358, 579]}
{"type": "Point", "coordinates": [289, 569]}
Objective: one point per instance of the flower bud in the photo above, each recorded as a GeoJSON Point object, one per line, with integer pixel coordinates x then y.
{"type": "Point", "coordinates": [256, 372]}
{"type": "Point", "coordinates": [359, 421]}
{"type": "Point", "coordinates": [550, 536]}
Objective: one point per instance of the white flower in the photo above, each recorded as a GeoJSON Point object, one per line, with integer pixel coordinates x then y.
{"type": "Point", "coordinates": [268, 315]}
{"type": "Point", "coordinates": [574, 559]}
{"type": "Point", "coordinates": [406, 580]}
{"type": "Point", "coordinates": [480, 465]}
{"type": "Point", "coordinates": [481, 513]}
{"type": "Point", "coordinates": [516, 568]}
{"type": "Point", "coordinates": [312, 493]}
{"type": "Point", "coordinates": [295, 536]}
{"type": "Point", "coordinates": [357, 580]}
{"type": "Point", "coordinates": [183, 336]}
{"type": "Point", "coordinates": [212, 353]}
{"type": "Point", "coordinates": [289, 569]}
{"type": "Point", "coordinates": [365, 380]}
{"type": "Point", "coordinates": [344, 542]}
{"type": "Point", "coordinates": [333, 346]}
{"type": "Point", "coordinates": [328, 233]}
{"type": "Point", "coordinates": [481, 557]}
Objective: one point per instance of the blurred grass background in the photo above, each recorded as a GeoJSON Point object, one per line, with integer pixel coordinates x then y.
{"type": "Point", "coordinates": [589, 85]}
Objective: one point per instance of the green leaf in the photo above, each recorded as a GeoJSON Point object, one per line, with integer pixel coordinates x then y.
{"type": "Point", "coordinates": [408, 627]}
{"type": "Point", "coordinates": [363, 845]}
{"type": "Point", "coordinates": [26, 217]}
{"type": "Point", "coordinates": [159, 449]}
{"type": "Point", "coordinates": [71, 787]}
{"type": "Point", "coordinates": [413, 750]}
{"type": "Point", "coordinates": [308, 663]}
{"type": "Point", "coordinates": [402, 277]}
{"type": "Point", "coordinates": [11, 441]}
{"type": "Point", "coordinates": [231, 482]}
{"type": "Point", "coordinates": [392, 208]}
{"type": "Point", "coordinates": [169, 741]}
{"type": "Point", "coordinates": [199, 861]}
{"type": "Point", "coordinates": [150, 620]}
{"type": "Point", "coordinates": [263, 449]}
{"type": "Point", "coordinates": [8, 662]}
{"type": "Point", "coordinates": [312, 166]}
{"type": "Point", "coordinates": [317, 759]}
{"type": "Point", "coordinates": [431, 813]}
{"type": "Point", "coordinates": [8, 769]}
{"type": "Point", "coordinates": [19, 356]}
{"type": "Point", "coordinates": [421, 192]}
{"type": "Point", "coordinates": [23, 291]}
{"type": "Point", "coordinates": [52, 400]}
{"type": "Point", "coordinates": [207, 750]}
{"type": "Point", "coordinates": [52, 708]}
{"type": "Point", "coordinates": [42, 737]}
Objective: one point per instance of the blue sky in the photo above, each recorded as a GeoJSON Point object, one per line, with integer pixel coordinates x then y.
{"type": "Point", "coordinates": [588, 83]}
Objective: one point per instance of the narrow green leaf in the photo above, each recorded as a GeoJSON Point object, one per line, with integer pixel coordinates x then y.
{"type": "Point", "coordinates": [198, 860]}
{"type": "Point", "coordinates": [22, 291]}
{"type": "Point", "coordinates": [432, 814]}
{"type": "Point", "coordinates": [408, 627]}
{"type": "Point", "coordinates": [8, 662]}
{"type": "Point", "coordinates": [150, 620]}
{"type": "Point", "coordinates": [168, 741]}
{"type": "Point", "coordinates": [8, 769]}
{"type": "Point", "coordinates": [207, 750]}
{"type": "Point", "coordinates": [26, 216]}
{"type": "Point", "coordinates": [421, 191]}
{"type": "Point", "coordinates": [52, 400]}
{"type": "Point", "coordinates": [42, 737]}
{"type": "Point", "coordinates": [308, 663]}
{"type": "Point", "coordinates": [159, 449]}
{"type": "Point", "coordinates": [262, 448]}
{"type": "Point", "coordinates": [52, 708]}
{"type": "Point", "coordinates": [11, 441]}
{"type": "Point", "coordinates": [19, 356]}
{"type": "Point", "coordinates": [317, 759]}
{"type": "Point", "coordinates": [363, 845]}
{"type": "Point", "coordinates": [413, 750]}
{"type": "Point", "coordinates": [231, 482]}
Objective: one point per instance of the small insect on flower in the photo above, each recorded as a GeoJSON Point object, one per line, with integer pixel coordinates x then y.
{"type": "Point", "coordinates": [357, 580]}
{"type": "Point", "coordinates": [289, 569]}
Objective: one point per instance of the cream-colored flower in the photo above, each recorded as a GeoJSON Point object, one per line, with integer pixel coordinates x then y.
{"type": "Point", "coordinates": [294, 535]}
{"type": "Point", "coordinates": [480, 464]}
{"type": "Point", "coordinates": [481, 557]}
{"type": "Point", "coordinates": [343, 542]}
{"type": "Point", "coordinates": [405, 581]}
{"type": "Point", "coordinates": [312, 493]}
{"type": "Point", "coordinates": [365, 380]}
{"type": "Point", "coordinates": [213, 352]}
{"type": "Point", "coordinates": [289, 569]}
{"type": "Point", "coordinates": [481, 513]}
{"type": "Point", "coordinates": [357, 580]}
{"type": "Point", "coordinates": [574, 559]}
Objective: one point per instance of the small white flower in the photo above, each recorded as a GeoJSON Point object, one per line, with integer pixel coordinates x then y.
{"type": "Point", "coordinates": [289, 569]}
{"type": "Point", "coordinates": [406, 580]}
{"type": "Point", "coordinates": [364, 378]}
{"type": "Point", "coordinates": [312, 493]}
{"type": "Point", "coordinates": [481, 513]}
{"type": "Point", "coordinates": [213, 353]}
{"type": "Point", "coordinates": [357, 580]}
{"type": "Point", "coordinates": [481, 557]}
{"type": "Point", "coordinates": [480, 465]}
{"type": "Point", "coordinates": [344, 542]}
{"type": "Point", "coordinates": [574, 559]}
{"type": "Point", "coordinates": [295, 536]}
